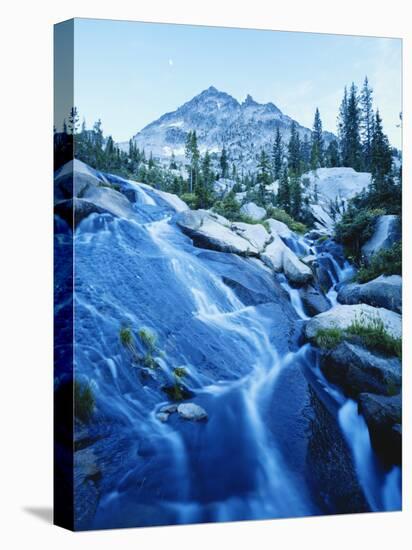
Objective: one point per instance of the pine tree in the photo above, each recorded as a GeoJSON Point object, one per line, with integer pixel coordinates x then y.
{"type": "Point", "coordinates": [73, 122]}
{"type": "Point", "coordinates": [317, 153]}
{"type": "Point", "coordinates": [381, 156]}
{"type": "Point", "coordinates": [332, 154]}
{"type": "Point", "coordinates": [192, 154]}
{"type": "Point", "coordinates": [294, 148]}
{"type": "Point", "coordinates": [342, 126]}
{"type": "Point", "coordinates": [283, 196]}
{"type": "Point", "coordinates": [204, 188]}
{"type": "Point", "coordinates": [173, 165]}
{"type": "Point", "coordinates": [367, 121]}
{"type": "Point", "coordinates": [277, 156]}
{"type": "Point", "coordinates": [295, 196]}
{"type": "Point", "coordinates": [263, 174]}
{"type": "Point", "coordinates": [306, 150]}
{"type": "Point", "coordinates": [224, 163]}
{"type": "Point", "coordinates": [353, 156]}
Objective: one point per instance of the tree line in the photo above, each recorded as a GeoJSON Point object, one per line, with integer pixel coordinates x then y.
{"type": "Point", "coordinates": [360, 144]}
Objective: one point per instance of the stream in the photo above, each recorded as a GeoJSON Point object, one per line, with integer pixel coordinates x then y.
{"type": "Point", "coordinates": [237, 331]}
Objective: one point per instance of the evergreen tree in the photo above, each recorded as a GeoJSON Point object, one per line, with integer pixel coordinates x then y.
{"type": "Point", "coordinates": [277, 156]}
{"type": "Point", "coordinates": [73, 122]}
{"type": "Point", "coordinates": [294, 148]}
{"type": "Point", "coordinates": [173, 165]}
{"type": "Point", "coordinates": [316, 154]}
{"type": "Point", "coordinates": [263, 175]}
{"type": "Point", "coordinates": [306, 151]}
{"type": "Point", "coordinates": [224, 163]}
{"type": "Point", "coordinates": [381, 157]}
{"type": "Point", "coordinates": [295, 209]}
{"type": "Point", "coordinates": [353, 156]}
{"type": "Point", "coordinates": [367, 121]}
{"type": "Point", "coordinates": [342, 125]}
{"type": "Point", "coordinates": [283, 196]}
{"type": "Point", "coordinates": [192, 155]}
{"type": "Point", "coordinates": [204, 188]}
{"type": "Point", "coordinates": [332, 154]}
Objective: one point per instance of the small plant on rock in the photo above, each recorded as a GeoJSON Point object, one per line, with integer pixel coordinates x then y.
{"type": "Point", "coordinates": [328, 338]}
{"type": "Point", "coordinates": [84, 401]}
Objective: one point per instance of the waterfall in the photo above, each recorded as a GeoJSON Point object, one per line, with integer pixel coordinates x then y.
{"type": "Point", "coordinates": [237, 350]}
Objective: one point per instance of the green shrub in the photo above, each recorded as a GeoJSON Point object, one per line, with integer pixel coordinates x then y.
{"type": "Point", "coordinates": [149, 361]}
{"type": "Point", "coordinates": [328, 338]}
{"type": "Point", "coordinates": [373, 335]}
{"type": "Point", "coordinates": [355, 228]}
{"type": "Point", "coordinates": [190, 199]}
{"type": "Point", "coordinates": [180, 372]}
{"type": "Point", "coordinates": [84, 401]}
{"type": "Point", "coordinates": [283, 216]}
{"type": "Point", "coordinates": [228, 207]}
{"type": "Point", "coordinates": [148, 339]}
{"type": "Point", "coordinates": [384, 262]}
{"type": "Point", "coordinates": [126, 337]}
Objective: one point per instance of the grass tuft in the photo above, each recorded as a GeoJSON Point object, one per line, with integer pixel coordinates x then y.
{"type": "Point", "coordinates": [84, 401]}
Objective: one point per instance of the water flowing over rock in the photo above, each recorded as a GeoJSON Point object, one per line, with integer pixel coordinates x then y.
{"type": "Point", "coordinates": [342, 316]}
{"type": "Point", "coordinates": [191, 411]}
{"type": "Point", "coordinates": [384, 291]}
{"type": "Point", "coordinates": [273, 444]}
{"type": "Point", "coordinates": [387, 232]}
{"type": "Point", "coordinates": [281, 259]}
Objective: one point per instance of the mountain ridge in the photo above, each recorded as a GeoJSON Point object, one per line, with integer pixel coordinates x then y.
{"type": "Point", "coordinates": [219, 120]}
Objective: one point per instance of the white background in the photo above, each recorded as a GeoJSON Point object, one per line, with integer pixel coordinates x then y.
{"type": "Point", "coordinates": [26, 274]}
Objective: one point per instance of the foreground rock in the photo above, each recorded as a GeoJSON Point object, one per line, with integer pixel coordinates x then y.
{"type": "Point", "coordinates": [208, 231]}
{"type": "Point", "coordinates": [357, 370]}
{"type": "Point", "coordinates": [191, 411]}
{"type": "Point", "coordinates": [279, 228]}
{"type": "Point", "coordinates": [387, 231]}
{"type": "Point", "coordinates": [314, 301]}
{"type": "Point", "coordinates": [383, 416]}
{"type": "Point", "coordinates": [256, 234]}
{"type": "Point", "coordinates": [381, 292]}
{"type": "Point", "coordinates": [342, 316]}
{"type": "Point", "coordinates": [253, 211]}
{"type": "Point", "coordinates": [281, 259]}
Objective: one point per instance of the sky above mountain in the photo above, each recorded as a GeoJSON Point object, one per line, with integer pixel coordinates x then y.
{"type": "Point", "coordinates": [129, 74]}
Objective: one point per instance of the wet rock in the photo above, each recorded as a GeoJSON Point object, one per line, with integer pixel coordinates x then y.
{"type": "Point", "coordinates": [191, 411]}
{"type": "Point", "coordinates": [162, 416]}
{"type": "Point", "coordinates": [253, 211]}
{"type": "Point", "coordinates": [208, 231]}
{"type": "Point", "coordinates": [170, 408]}
{"type": "Point", "coordinates": [309, 260]}
{"type": "Point", "coordinates": [383, 416]}
{"type": "Point", "coordinates": [381, 292]}
{"type": "Point", "coordinates": [76, 210]}
{"type": "Point", "coordinates": [357, 370]}
{"type": "Point", "coordinates": [314, 301]}
{"type": "Point", "coordinates": [387, 231]}
{"type": "Point", "coordinates": [281, 259]}
{"type": "Point", "coordinates": [342, 316]}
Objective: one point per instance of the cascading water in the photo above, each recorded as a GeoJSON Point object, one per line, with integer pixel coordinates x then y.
{"type": "Point", "coordinates": [239, 346]}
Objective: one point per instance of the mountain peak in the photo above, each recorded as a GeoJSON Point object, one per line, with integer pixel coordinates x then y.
{"type": "Point", "coordinates": [250, 101]}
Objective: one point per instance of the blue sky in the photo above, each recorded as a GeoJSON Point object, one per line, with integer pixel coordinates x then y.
{"type": "Point", "coordinates": [128, 74]}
